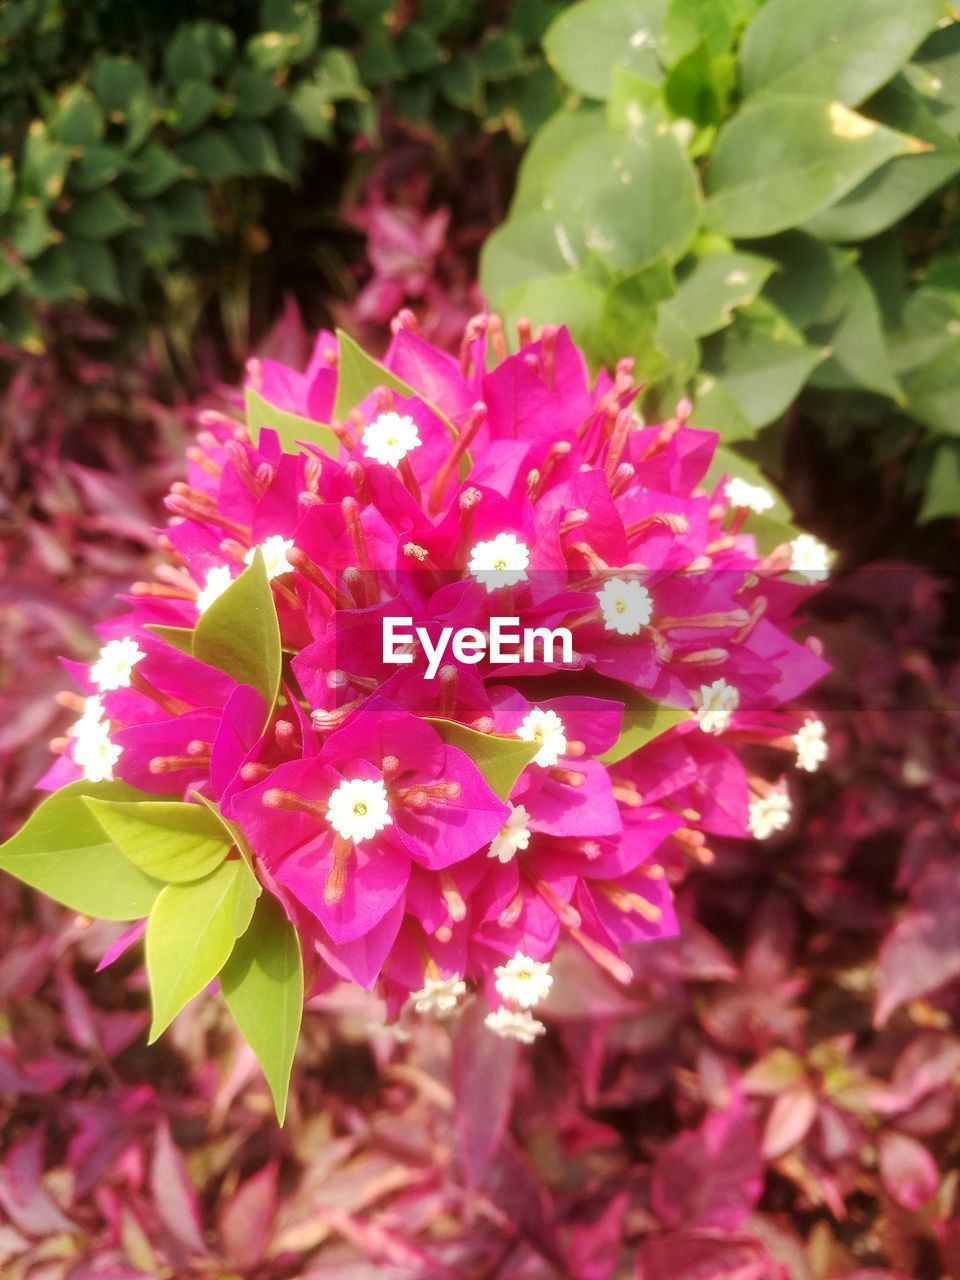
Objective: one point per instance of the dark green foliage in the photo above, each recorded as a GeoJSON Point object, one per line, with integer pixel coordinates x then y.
{"type": "Point", "coordinates": [143, 142]}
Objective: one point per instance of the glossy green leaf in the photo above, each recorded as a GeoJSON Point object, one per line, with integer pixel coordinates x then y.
{"type": "Point", "coordinates": [850, 327]}
{"type": "Point", "coordinates": [782, 160]}
{"type": "Point", "coordinates": [180, 637]}
{"type": "Point", "coordinates": [711, 287]}
{"type": "Point", "coordinates": [262, 983]}
{"type": "Point", "coordinates": [628, 220]}
{"type": "Point", "coordinates": [935, 72]}
{"type": "Point", "coordinates": [166, 839]}
{"type": "Point", "coordinates": [62, 850]}
{"type": "Point", "coordinates": [500, 760]}
{"type": "Point", "coordinates": [575, 296]}
{"type": "Point", "coordinates": [643, 720]}
{"type": "Point", "coordinates": [761, 362]}
{"type": "Point", "coordinates": [898, 186]}
{"type": "Point", "coordinates": [239, 633]}
{"type": "Point", "coordinates": [290, 427]}
{"type": "Point", "coordinates": [564, 131]}
{"type": "Point", "coordinates": [358, 374]}
{"type": "Point", "coordinates": [527, 246]}
{"type": "Point", "coordinates": [190, 934]}
{"type": "Point", "coordinates": [589, 38]}
{"type": "Point", "coordinates": [807, 271]}
{"type": "Point", "coordinates": [842, 51]}
{"type": "Point", "coordinates": [688, 22]}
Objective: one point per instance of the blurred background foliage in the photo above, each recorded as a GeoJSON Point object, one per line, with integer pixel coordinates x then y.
{"type": "Point", "coordinates": [159, 156]}
{"type": "Point", "coordinates": [759, 202]}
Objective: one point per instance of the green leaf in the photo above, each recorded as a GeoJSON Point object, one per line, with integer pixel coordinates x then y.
{"type": "Point", "coordinates": [33, 232]}
{"type": "Point", "coordinates": [180, 637]}
{"type": "Point", "coordinates": [78, 120]}
{"type": "Point", "coordinates": [256, 94]}
{"type": "Point", "coordinates": [213, 156]}
{"type": "Point", "coordinates": [589, 38]}
{"type": "Point", "coordinates": [460, 82]}
{"type": "Point", "coordinates": [643, 720]}
{"type": "Point", "coordinates": [297, 21]}
{"type": "Point", "coordinates": [155, 170]}
{"type": "Point", "coordinates": [710, 288]}
{"type": "Point", "coordinates": [358, 374]}
{"type": "Point", "coordinates": [898, 186]}
{"type": "Point", "coordinates": [629, 320]}
{"type": "Point", "coordinates": [851, 328]}
{"type": "Point", "coordinates": [194, 102]}
{"type": "Point", "coordinates": [262, 983]}
{"type": "Point", "coordinates": [527, 246]}
{"type": "Point", "coordinates": [688, 22]}
{"type": "Point", "coordinates": [831, 50]}
{"type": "Point", "coordinates": [935, 72]}
{"type": "Point", "coordinates": [575, 296]}
{"type": "Point", "coordinates": [933, 390]}
{"type": "Point", "coordinates": [166, 839]}
{"type": "Point", "coordinates": [807, 271]}
{"type": "Point", "coordinates": [628, 221]}
{"type": "Point", "coordinates": [239, 633]}
{"type": "Point", "coordinates": [761, 363]}
{"type": "Point", "coordinates": [125, 94]}
{"type": "Point", "coordinates": [96, 167]}
{"type": "Point", "coordinates": [562, 133]}
{"type": "Point", "coordinates": [187, 210]}
{"type": "Point", "coordinates": [942, 492]}
{"type": "Point", "coordinates": [7, 183]}
{"type": "Point", "coordinates": [61, 850]}
{"type": "Point", "coordinates": [191, 933]}
{"type": "Point", "coordinates": [96, 269]}
{"type": "Point", "coordinates": [782, 160]}
{"type": "Point", "coordinates": [500, 760]}
{"type": "Point", "coordinates": [290, 427]}
{"type": "Point", "coordinates": [699, 86]}
{"type": "Point", "coordinates": [100, 216]}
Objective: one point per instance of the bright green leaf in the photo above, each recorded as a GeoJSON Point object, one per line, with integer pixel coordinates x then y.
{"type": "Point", "coordinates": [61, 850]}
{"type": "Point", "coordinates": [589, 38]}
{"type": "Point", "coordinates": [358, 374]}
{"type": "Point", "coordinates": [239, 633]}
{"type": "Point", "coordinates": [262, 983]}
{"type": "Point", "coordinates": [942, 490]}
{"type": "Point", "coordinates": [782, 160]}
{"type": "Point", "coordinates": [688, 22]}
{"type": "Point", "coordinates": [842, 51]}
{"type": "Point", "coordinates": [526, 247]}
{"type": "Point", "coordinates": [562, 133]}
{"type": "Point", "coordinates": [850, 327]}
{"type": "Point", "coordinates": [710, 288]}
{"type": "Point", "coordinates": [643, 720]}
{"type": "Point", "coordinates": [500, 760]}
{"type": "Point", "coordinates": [290, 427]}
{"type": "Point", "coordinates": [190, 934]}
{"type": "Point", "coordinates": [166, 839]}
{"type": "Point", "coordinates": [180, 637]}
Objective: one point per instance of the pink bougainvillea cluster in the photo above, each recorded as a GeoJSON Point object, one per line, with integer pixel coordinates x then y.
{"type": "Point", "coordinates": [452, 490]}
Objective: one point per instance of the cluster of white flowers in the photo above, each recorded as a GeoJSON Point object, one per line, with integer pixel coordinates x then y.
{"type": "Point", "coordinates": [752, 497]}
{"type": "Point", "coordinates": [438, 997]}
{"type": "Point", "coordinates": [513, 836]}
{"type": "Point", "coordinates": [521, 983]}
{"type": "Point", "coordinates": [91, 748]}
{"type": "Point", "coordinates": [716, 704]}
{"type": "Point", "coordinates": [770, 813]}
{"type": "Point", "coordinates": [626, 606]}
{"type": "Point", "coordinates": [811, 743]}
{"type": "Point", "coordinates": [810, 557]}
{"type": "Point", "coordinates": [547, 729]}
{"type": "Point", "coordinates": [113, 669]}
{"type": "Point", "coordinates": [501, 562]}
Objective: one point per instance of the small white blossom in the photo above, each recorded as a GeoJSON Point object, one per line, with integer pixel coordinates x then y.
{"type": "Point", "coordinates": [811, 743]}
{"type": "Point", "coordinates": [718, 702]}
{"type": "Point", "coordinates": [513, 835]}
{"type": "Point", "coordinates": [810, 557]}
{"type": "Point", "coordinates": [523, 981]}
{"type": "Point", "coordinates": [274, 550]}
{"type": "Point", "coordinates": [546, 728]}
{"type": "Point", "coordinates": [501, 562]}
{"type": "Point", "coordinates": [389, 438]}
{"type": "Point", "coordinates": [770, 813]}
{"type": "Point", "coordinates": [215, 584]}
{"type": "Point", "coordinates": [114, 667]}
{"type": "Point", "coordinates": [515, 1026]}
{"type": "Point", "coordinates": [439, 996]}
{"type": "Point", "coordinates": [752, 496]}
{"type": "Point", "coordinates": [92, 749]}
{"type": "Point", "coordinates": [359, 808]}
{"type": "Point", "coordinates": [626, 606]}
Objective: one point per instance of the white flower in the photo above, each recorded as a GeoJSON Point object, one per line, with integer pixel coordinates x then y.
{"type": "Point", "coordinates": [501, 562]}
{"type": "Point", "coordinates": [389, 438]}
{"type": "Point", "coordinates": [92, 749]}
{"type": "Point", "coordinates": [718, 702]}
{"type": "Point", "coordinates": [92, 712]}
{"type": "Point", "coordinates": [626, 606]}
{"type": "Point", "coordinates": [770, 813]}
{"type": "Point", "coordinates": [523, 981]}
{"type": "Point", "coordinates": [439, 996]}
{"type": "Point", "coordinates": [114, 667]}
{"type": "Point", "coordinates": [274, 550]}
{"type": "Point", "coordinates": [810, 557]}
{"type": "Point", "coordinates": [811, 743]}
{"type": "Point", "coordinates": [546, 728]}
{"type": "Point", "coordinates": [215, 584]}
{"type": "Point", "coordinates": [358, 809]}
{"type": "Point", "coordinates": [514, 1026]}
{"type": "Point", "coordinates": [752, 496]}
{"type": "Point", "coordinates": [513, 835]}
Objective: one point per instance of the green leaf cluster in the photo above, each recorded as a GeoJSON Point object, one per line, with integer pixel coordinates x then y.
{"type": "Point", "coordinates": [755, 200]}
